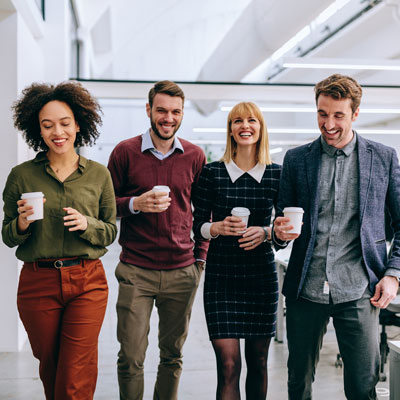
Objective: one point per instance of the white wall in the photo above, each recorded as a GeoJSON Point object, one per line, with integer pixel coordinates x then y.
{"type": "Point", "coordinates": [9, 337]}
{"type": "Point", "coordinates": [34, 51]}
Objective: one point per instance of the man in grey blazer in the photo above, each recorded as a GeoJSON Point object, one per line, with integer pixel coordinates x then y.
{"type": "Point", "coordinates": [338, 266]}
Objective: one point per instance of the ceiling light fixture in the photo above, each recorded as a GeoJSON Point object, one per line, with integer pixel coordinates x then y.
{"type": "Point", "coordinates": [334, 63]}
{"type": "Point", "coordinates": [376, 131]}
{"type": "Point", "coordinates": [314, 110]}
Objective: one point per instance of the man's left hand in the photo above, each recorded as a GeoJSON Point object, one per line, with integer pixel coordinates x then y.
{"type": "Point", "coordinates": [385, 291]}
{"type": "Point", "coordinates": [200, 263]}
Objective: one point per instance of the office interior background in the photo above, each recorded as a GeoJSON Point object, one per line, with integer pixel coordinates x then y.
{"type": "Point", "coordinates": [271, 52]}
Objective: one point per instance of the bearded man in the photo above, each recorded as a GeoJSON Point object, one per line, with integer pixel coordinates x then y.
{"type": "Point", "coordinates": [159, 264]}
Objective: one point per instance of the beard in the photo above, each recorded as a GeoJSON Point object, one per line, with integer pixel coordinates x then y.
{"type": "Point", "coordinates": [157, 132]}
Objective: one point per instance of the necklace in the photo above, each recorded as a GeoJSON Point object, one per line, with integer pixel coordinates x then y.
{"type": "Point", "coordinates": [64, 167]}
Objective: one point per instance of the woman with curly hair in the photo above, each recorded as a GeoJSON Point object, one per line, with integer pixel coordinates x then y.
{"type": "Point", "coordinates": [62, 292]}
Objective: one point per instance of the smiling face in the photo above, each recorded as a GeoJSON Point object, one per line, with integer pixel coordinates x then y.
{"type": "Point", "coordinates": [165, 116]}
{"type": "Point", "coordinates": [58, 127]}
{"type": "Point", "coordinates": [335, 120]}
{"type": "Point", "coordinates": [245, 130]}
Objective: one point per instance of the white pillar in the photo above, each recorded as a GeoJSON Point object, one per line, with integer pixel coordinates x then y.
{"type": "Point", "coordinates": [57, 41]}
{"type": "Point", "coordinates": [11, 336]}
{"type": "Point", "coordinates": [31, 51]}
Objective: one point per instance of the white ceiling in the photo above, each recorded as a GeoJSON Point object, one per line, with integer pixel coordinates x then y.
{"type": "Point", "coordinates": [215, 40]}
{"type": "Point", "coordinates": [233, 41]}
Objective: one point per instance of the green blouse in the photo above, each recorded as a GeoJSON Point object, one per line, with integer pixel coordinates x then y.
{"type": "Point", "coordinates": [89, 190]}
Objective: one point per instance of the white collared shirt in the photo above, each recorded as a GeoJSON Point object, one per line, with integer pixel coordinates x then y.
{"type": "Point", "coordinates": [235, 172]}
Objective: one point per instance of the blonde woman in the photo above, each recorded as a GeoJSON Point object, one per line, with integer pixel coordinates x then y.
{"type": "Point", "coordinates": [241, 286]}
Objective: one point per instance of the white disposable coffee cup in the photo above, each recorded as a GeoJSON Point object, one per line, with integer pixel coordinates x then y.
{"type": "Point", "coordinates": [34, 199]}
{"type": "Point", "coordinates": [162, 188]}
{"type": "Point", "coordinates": [241, 212]}
{"type": "Point", "coordinates": [296, 218]}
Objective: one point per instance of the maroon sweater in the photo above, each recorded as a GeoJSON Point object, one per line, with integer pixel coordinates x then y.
{"type": "Point", "coordinates": [157, 240]}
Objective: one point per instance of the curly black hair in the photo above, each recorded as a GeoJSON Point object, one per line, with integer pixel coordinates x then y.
{"type": "Point", "coordinates": [84, 106]}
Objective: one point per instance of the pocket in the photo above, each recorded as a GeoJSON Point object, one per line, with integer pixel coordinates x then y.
{"type": "Point", "coordinates": [124, 273]}
{"type": "Point", "coordinates": [199, 268]}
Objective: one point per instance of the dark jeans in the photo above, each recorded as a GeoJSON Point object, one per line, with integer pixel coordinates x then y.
{"type": "Point", "coordinates": [356, 326]}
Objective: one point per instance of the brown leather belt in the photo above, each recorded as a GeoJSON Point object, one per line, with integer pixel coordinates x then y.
{"type": "Point", "coordinates": [58, 263]}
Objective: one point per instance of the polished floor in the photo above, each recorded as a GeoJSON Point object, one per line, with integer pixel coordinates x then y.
{"type": "Point", "coordinates": [19, 378]}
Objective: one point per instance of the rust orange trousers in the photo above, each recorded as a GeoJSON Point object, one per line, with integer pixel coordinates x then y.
{"type": "Point", "coordinates": [62, 311]}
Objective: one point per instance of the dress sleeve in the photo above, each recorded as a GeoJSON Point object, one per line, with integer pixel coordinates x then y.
{"type": "Point", "coordinates": [200, 243]}
{"type": "Point", "coordinates": [203, 200]}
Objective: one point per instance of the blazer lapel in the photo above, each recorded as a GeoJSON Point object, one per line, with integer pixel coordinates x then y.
{"type": "Point", "coordinates": [365, 172]}
{"type": "Point", "coordinates": [313, 166]}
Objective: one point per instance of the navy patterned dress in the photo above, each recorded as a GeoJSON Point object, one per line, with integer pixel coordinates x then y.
{"type": "Point", "coordinates": [241, 287]}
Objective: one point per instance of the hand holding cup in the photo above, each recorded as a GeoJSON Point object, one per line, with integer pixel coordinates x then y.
{"type": "Point", "coordinates": [230, 226]}
{"type": "Point", "coordinates": [30, 209]}
{"type": "Point", "coordinates": [153, 201]}
{"type": "Point", "coordinates": [288, 227]}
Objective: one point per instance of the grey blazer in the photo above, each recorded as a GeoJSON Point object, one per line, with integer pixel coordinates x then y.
{"type": "Point", "coordinates": [379, 186]}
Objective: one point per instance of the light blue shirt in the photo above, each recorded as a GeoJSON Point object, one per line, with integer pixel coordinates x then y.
{"type": "Point", "coordinates": [147, 144]}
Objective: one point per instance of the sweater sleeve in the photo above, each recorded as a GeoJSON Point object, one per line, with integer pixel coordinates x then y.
{"type": "Point", "coordinates": [201, 244]}
{"type": "Point", "coordinates": [118, 165]}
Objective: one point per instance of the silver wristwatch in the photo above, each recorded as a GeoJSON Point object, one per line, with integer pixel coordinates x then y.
{"type": "Point", "coordinates": [265, 229]}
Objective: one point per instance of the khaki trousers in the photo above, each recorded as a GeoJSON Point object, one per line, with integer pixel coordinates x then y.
{"type": "Point", "coordinates": [62, 311]}
{"type": "Point", "coordinates": [173, 293]}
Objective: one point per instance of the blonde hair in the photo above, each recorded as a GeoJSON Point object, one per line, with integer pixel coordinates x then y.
{"type": "Point", "coordinates": [246, 109]}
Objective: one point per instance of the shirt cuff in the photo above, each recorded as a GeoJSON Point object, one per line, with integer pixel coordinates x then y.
{"type": "Point", "coordinates": [278, 242]}
{"type": "Point", "coordinates": [131, 206]}
{"type": "Point", "coordinates": [205, 231]}
{"type": "Point", "coordinates": [393, 272]}
{"type": "Point", "coordinates": [19, 237]}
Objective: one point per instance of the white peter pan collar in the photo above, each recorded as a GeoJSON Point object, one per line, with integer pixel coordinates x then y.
{"type": "Point", "coordinates": [235, 172]}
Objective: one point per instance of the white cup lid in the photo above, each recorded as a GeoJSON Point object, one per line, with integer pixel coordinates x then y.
{"type": "Point", "coordinates": [31, 195]}
{"type": "Point", "coordinates": [293, 210]}
{"type": "Point", "coordinates": [161, 188]}
{"type": "Point", "coordinates": [240, 211]}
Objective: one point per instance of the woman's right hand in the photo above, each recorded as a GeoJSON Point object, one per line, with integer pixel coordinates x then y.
{"type": "Point", "coordinates": [230, 226]}
{"type": "Point", "coordinates": [24, 210]}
